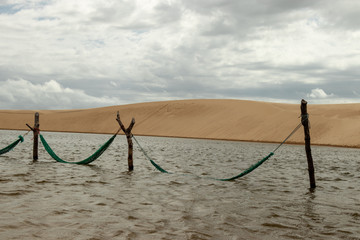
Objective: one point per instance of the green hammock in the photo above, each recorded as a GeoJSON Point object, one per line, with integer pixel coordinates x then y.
{"type": "Point", "coordinates": [88, 160]}
{"type": "Point", "coordinates": [249, 170]}
{"type": "Point", "coordinates": [11, 146]}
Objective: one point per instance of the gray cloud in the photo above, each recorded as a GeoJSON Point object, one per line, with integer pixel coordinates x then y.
{"type": "Point", "coordinates": [135, 51]}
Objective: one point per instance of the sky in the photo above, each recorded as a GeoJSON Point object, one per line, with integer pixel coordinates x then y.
{"type": "Point", "coordinates": [66, 54]}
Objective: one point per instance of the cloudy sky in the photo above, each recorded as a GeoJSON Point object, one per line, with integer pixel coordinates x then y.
{"type": "Point", "coordinates": [66, 54]}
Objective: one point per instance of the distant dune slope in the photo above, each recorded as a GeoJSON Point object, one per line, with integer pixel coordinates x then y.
{"type": "Point", "coordinates": [336, 125]}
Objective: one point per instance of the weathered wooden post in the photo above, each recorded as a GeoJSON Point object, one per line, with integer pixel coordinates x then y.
{"type": "Point", "coordinates": [128, 134]}
{"type": "Point", "coordinates": [305, 123]}
{"type": "Point", "coordinates": [35, 130]}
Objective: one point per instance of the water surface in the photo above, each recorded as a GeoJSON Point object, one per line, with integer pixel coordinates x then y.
{"type": "Point", "coordinates": [50, 200]}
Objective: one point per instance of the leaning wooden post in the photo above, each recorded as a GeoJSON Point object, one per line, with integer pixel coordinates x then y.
{"type": "Point", "coordinates": [35, 130]}
{"type": "Point", "coordinates": [305, 123]}
{"type": "Point", "coordinates": [128, 134]}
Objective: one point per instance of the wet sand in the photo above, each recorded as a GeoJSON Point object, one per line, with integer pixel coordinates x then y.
{"type": "Point", "coordinates": [333, 124]}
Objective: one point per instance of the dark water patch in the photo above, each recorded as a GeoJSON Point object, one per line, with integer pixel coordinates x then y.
{"type": "Point", "coordinates": [5, 180]}
{"type": "Point", "coordinates": [44, 181]}
{"type": "Point", "coordinates": [14, 193]}
{"type": "Point", "coordinates": [278, 225]}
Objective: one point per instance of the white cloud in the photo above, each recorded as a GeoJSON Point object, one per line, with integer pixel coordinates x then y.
{"type": "Point", "coordinates": [144, 50]}
{"type": "Point", "coordinates": [114, 84]}
{"type": "Point", "coordinates": [24, 94]}
{"type": "Point", "coordinates": [319, 93]}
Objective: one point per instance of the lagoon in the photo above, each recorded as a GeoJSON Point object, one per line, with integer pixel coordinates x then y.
{"type": "Point", "coordinates": [50, 200]}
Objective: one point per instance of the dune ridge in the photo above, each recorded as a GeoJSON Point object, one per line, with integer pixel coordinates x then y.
{"type": "Point", "coordinates": [240, 120]}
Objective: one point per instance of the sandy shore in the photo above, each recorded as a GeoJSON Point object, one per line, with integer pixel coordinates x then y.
{"type": "Point", "coordinates": [334, 125]}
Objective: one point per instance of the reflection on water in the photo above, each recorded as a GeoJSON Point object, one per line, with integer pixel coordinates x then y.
{"type": "Point", "coordinates": [49, 200]}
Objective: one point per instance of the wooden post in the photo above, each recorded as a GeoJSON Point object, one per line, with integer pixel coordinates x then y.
{"type": "Point", "coordinates": [305, 123]}
{"type": "Point", "coordinates": [36, 137]}
{"type": "Point", "coordinates": [128, 134]}
{"type": "Point", "coordinates": [35, 130]}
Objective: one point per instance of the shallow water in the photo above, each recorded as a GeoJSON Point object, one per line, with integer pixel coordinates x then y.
{"type": "Point", "coordinates": [49, 200]}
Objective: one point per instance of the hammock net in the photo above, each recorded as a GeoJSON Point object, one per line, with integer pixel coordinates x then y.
{"type": "Point", "coordinates": [11, 146]}
{"type": "Point", "coordinates": [88, 160]}
{"type": "Point", "coordinates": [247, 171]}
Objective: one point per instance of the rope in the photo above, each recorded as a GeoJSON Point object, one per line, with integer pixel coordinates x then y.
{"type": "Point", "coordinates": [292, 133]}
{"type": "Point", "coordinates": [26, 133]}
{"type": "Point", "coordinates": [303, 119]}
{"type": "Point", "coordinates": [88, 160]}
{"type": "Point", "coordinates": [247, 171]}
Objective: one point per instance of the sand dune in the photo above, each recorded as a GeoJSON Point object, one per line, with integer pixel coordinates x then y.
{"type": "Point", "coordinates": [336, 125]}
